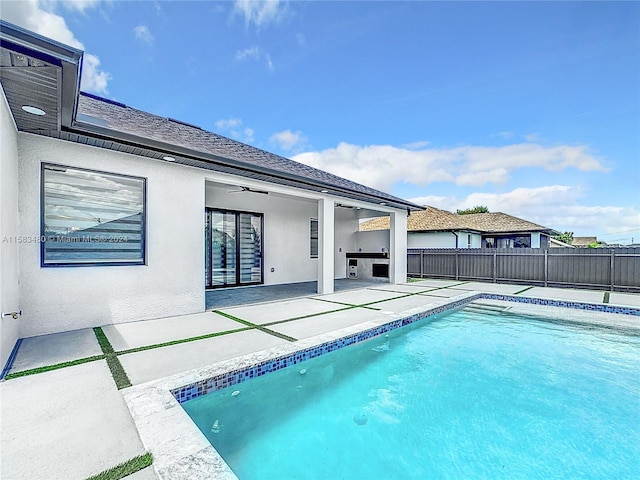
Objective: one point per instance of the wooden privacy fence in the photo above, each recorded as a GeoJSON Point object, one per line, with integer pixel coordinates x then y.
{"type": "Point", "coordinates": [616, 269]}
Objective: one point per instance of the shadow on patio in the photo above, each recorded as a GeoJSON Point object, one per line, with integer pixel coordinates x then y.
{"type": "Point", "coordinates": [230, 297]}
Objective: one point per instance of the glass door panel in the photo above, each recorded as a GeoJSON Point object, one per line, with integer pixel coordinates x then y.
{"type": "Point", "coordinates": [233, 248]}
{"type": "Point", "coordinates": [250, 248]}
{"type": "Point", "coordinates": [223, 248]}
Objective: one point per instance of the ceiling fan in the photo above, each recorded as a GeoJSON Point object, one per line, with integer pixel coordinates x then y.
{"type": "Point", "coordinates": [248, 189]}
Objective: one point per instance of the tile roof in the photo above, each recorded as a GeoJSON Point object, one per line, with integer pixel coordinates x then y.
{"type": "Point", "coordinates": [499, 223]}
{"type": "Point", "coordinates": [434, 220]}
{"type": "Point", "coordinates": [130, 121]}
{"type": "Point", "coordinates": [583, 241]}
{"type": "Point", "coordinates": [429, 219]}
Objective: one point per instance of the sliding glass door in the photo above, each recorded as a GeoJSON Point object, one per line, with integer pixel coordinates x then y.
{"type": "Point", "coordinates": [233, 248]}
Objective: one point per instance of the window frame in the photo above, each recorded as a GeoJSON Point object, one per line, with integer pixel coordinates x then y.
{"type": "Point", "coordinates": [311, 238]}
{"type": "Point", "coordinates": [89, 262]}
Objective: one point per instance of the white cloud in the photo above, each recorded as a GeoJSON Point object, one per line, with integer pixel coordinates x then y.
{"type": "Point", "coordinates": [555, 206]}
{"type": "Point", "coordinates": [260, 12]}
{"type": "Point", "coordinates": [382, 166]}
{"type": "Point", "coordinates": [228, 124]}
{"type": "Point", "coordinates": [40, 17]}
{"type": "Point", "coordinates": [253, 53]}
{"type": "Point", "coordinates": [78, 5]}
{"type": "Point", "coordinates": [288, 140]}
{"type": "Point", "coordinates": [143, 34]}
{"type": "Point", "coordinates": [93, 79]}
{"type": "Point", "coordinates": [233, 127]}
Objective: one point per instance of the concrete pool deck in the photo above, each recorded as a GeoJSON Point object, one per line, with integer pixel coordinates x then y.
{"type": "Point", "coordinates": [72, 422]}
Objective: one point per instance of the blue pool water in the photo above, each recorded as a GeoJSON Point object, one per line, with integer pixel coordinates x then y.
{"type": "Point", "coordinates": [461, 395]}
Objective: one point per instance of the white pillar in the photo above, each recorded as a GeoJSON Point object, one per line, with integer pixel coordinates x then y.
{"type": "Point", "coordinates": [398, 250]}
{"type": "Point", "coordinates": [325, 246]}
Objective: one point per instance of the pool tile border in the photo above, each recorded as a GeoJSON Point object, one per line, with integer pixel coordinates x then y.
{"type": "Point", "coordinates": [235, 377]}
{"type": "Point", "coordinates": [177, 444]}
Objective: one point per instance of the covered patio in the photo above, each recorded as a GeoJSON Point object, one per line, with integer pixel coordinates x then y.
{"type": "Point", "coordinates": [231, 297]}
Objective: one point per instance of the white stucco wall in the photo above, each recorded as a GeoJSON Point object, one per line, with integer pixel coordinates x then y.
{"type": "Point", "coordinates": [286, 232]}
{"type": "Point", "coordinates": [65, 298]}
{"type": "Point", "coordinates": [9, 267]}
{"type": "Point", "coordinates": [372, 242]}
{"type": "Point", "coordinates": [432, 240]}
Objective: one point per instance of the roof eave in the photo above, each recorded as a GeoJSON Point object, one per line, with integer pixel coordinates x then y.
{"type": "Point", "coordinates": [177, 151]}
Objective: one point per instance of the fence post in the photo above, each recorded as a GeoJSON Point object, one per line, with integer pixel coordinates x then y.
{"type": "Point", "coordinates": [421, 263]}
{"type": "Point", "coordinates": [495, 266]}
{"type": "Point", "coordinates": [546, 267]}
{"type": "Point", "coordinates": [457, 274]}
{"type": "Point", "coordinates": [613, 256]}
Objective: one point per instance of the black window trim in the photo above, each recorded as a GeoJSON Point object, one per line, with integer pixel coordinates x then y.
{"type": "Point", "coordinates": [116, 263]}
{"type": "Point", "coordinates": [317, 238]}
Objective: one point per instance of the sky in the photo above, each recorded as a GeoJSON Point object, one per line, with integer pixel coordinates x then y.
{"type": "Point", "coordinates": [528, 108]}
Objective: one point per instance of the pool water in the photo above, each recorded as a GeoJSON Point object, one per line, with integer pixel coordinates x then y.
{"type": "Point", "coordinates": [468, 394]}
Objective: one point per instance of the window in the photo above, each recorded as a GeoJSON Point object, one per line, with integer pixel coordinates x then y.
{"type": "Point", "coordinates": [91, 218]}
{"type": "Point", "coordinates": [313, 236]}
{"type": "Point", "coordinates": [233, 248]}
{"type": "Point", "coordinates": [468, 240]}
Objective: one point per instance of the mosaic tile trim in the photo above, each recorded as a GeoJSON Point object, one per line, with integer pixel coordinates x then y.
{"type": "Point", "coordinates": [228, 379]}
{"type": "Point", "coordinates": [563, 303]}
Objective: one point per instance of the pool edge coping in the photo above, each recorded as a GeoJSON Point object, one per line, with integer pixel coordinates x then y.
{"type": "Point", "coordinates": [181, 450]}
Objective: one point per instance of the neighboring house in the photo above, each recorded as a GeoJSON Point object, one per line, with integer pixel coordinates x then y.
{"type": "Point", "coordinates": [555, 243]}
{"type": "Point", "coordinates": [110, 214]}
{"type": "Point", "coordinates": [584, 242]}
{"type": "Point", "coordinates": [435, 228]}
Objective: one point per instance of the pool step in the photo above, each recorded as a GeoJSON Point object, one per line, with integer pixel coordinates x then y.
{"type": "Point", "coordinates": [484, 308]}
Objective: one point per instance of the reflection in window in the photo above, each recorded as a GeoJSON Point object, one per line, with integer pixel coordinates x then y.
{"type": "Point", "coordinates": [91, 218]}
{"type": "Point", "coordinates": [313, 236]}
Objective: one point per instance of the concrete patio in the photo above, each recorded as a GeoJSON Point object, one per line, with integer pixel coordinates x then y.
{"type": "Point", "coordinates": [72, 422]}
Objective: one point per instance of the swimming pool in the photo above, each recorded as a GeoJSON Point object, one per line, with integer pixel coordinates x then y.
{"type": "Point", "coordinates": [473, 393]}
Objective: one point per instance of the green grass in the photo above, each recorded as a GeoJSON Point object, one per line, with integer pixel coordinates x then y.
{"type": "Point", "coordinates": [116, 368]}
{"type": "Point", "coordinates": [103, 341]}
{"type": "Point", "coordinates": [607, 296]}
{"type": "Point", "coordinates": [523, 290]}
{"type": "Point", "coordinates": [257, 327]}
{"type": "Point", "coordinates": [182, 340]}
{"type": "Point", "coordinates": [125, 468]}
{"type": "Point", "coordinates": [48, 368]}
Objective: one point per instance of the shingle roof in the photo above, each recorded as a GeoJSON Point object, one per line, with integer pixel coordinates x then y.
{"type": "Point", "coordinates": [433, 219]}
{"type": "Point", "coordinates": [499, 223]}
{"type": "Point", "coordinates": [429, 219]}
{"type": "Point", "coordinates": [130, 121]}
{"type": "Point", "coordinates": [584, 241]}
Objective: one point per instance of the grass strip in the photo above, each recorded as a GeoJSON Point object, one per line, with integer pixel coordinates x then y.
{"type": "Point", "coordinates": [120, 377]}
{"type": "Point", "coordinates": [182, 340]}
{"type": "Point", "coordinates": [117, 372]}
{"type": "Point", "coordinates": [103, 341]}
{"type": "Point", "coordinates": [523, 290]}
{"type": "Point", "coordinates": [607, 296]}
{"type": "Point", "coordinates": [48, 368]}
{"type": "Point", "coordinates": [302, 317]}
{"type": "Point", "coordinates": [125, 468]}
{"type": "Point", "coordinates": [257, 327]}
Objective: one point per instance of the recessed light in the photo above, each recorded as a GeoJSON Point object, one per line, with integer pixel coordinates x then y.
{"type": "Point", "coordinates": [168, 158]}
{"type": "Point", "coordinates": [324, 191]}
{"type": "Point", "coordinates": [382, 203]}
{"type": "Point", "coordinates": [33, 110]}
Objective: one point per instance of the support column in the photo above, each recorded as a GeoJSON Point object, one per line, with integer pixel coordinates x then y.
{"type": "Point", "coordinates": [325, 246]}
{"type": "Point", "coordinates": [398, 248]}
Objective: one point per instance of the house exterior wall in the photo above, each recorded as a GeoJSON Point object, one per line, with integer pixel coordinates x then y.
{"type": "Point", "coordinates": [286, 232]}
{"type": "Point", "coordinates": [9, 267]}
{"type": "Point", "coordinates": [374, 241]}
{"type": "Point", "coordinates": [57, 299]}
